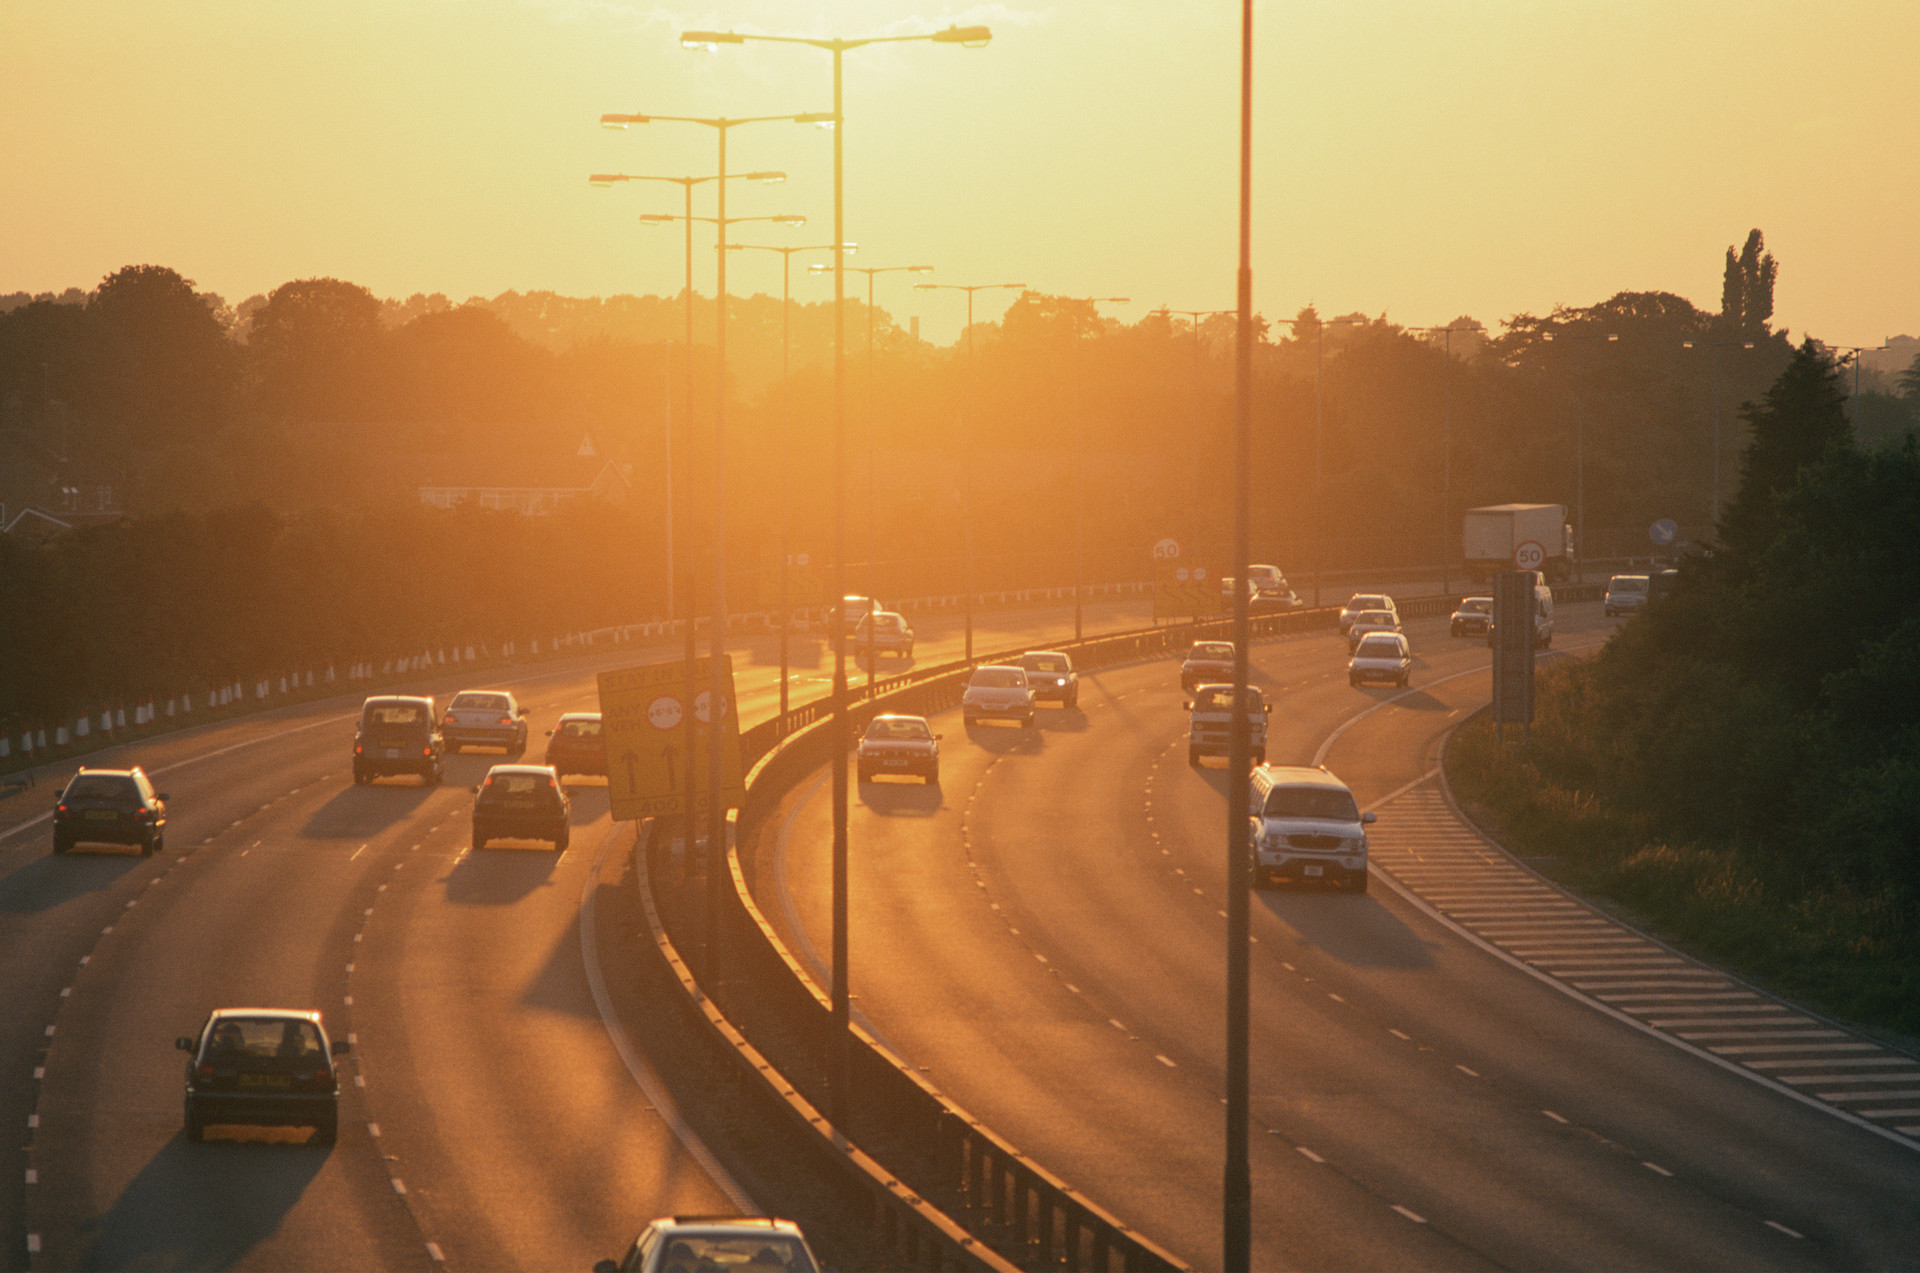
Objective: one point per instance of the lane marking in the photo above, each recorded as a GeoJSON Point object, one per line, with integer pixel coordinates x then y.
{"type": "Point", "coordinates": [1165, 1061]}
{"type": "Point", "coordinates": [1555, 1117]}
{"type": "Point", "coordinates": [399, 1186]}
{"type": "Point", "coordinates": [1657, 1169]}
{"type": "Point", "coordinates": [1309, 1155]}
{"type": "Point", "coordinates": [1414, 1216]}
{"type": "Point", "coordinates": [433, 1250]}
{"type": "Point", "coordinates": [1792, 1233]}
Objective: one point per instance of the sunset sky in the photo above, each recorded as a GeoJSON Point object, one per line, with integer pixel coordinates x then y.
{"type": "Point", "coordinates": [1414, 158]}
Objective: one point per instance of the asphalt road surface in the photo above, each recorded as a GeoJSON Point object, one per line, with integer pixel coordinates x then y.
{"type": "Point", "coordinates": [1042, 934]}
{"type": "Point", "coordinates": [488, 1119]}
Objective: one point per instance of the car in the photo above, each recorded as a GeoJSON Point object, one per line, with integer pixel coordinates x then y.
{"type": "Point", "coordinates": [1662, 583]}
{"type": "Point", "coordinates": [1307, 828]}
{"type": "Point", "coordinates": [265, 1067]}
{"type": "Point", "coordinates": [485, 718]}
{"type": "Point", "coordinates": [1050, 674]}
{"type": "Point", "coordinates": [1271, 591]}
{"type": "Point", "coordinates": [896, 744]}
{"type": "Point", "coordinates": [882, 632]}
{"type": "Point", "coordinates": [398, 734]}
{"type": "Point", "coordinates": [1210, 722]}
{"type": "Point", "coordinates": [997, 691]}
{"type": "Point", "coordinates": [1370, 621]}
{"type": "Point", "coordinates": [577, 746]}
{"type": "Point", "coordinates": [521, 802]}
{"type": "Point", "coordinates": [1381, 656]}
{"type": "Point", "coordinates": [854, 608]}
{"type": "Point", "coordinates": [723, 1244]}
{"type": "Point", "coordinates": [1208, 662]}
{"type": "Point", "coordinates": [110, 806]}
{"type": "Point", "coordinates": [1472, 617]}
{"type": "Point", "coordinates": [1626, 594]}
{"type": "Point", "coordinates": [1362, 601]}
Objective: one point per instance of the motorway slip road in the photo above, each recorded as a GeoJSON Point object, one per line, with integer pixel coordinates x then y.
{"type": "Point", "coordinates": [1042, 935]}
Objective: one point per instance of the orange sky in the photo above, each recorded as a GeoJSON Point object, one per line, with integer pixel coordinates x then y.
{"type": "Point", "coordinates": [1419, 158]}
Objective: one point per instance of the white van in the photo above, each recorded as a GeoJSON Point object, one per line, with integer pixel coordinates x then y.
{"type": "Point", "coordinates": [1209, 727]}
{"type": "Point", "coordinates": [1542, 616]}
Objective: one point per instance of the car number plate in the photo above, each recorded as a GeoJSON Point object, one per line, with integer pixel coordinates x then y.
{"type": "Point", "coordinates": [393, 753]}
{"type": "Point", "coordinates": [1313, 870]}
{"type": "Point", "coordinates": [102, 815]}
{"type": "Point", "coordinates": [265, 1080]}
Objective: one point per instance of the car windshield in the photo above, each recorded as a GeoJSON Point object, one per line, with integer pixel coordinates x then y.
{"type": "Point", "coordinates": [1218, 698]}
{"type": "Point", "coordinates": [1044, 662]}
{"type": "Point", "coordinates": [1368, 601]}
{"type": "Point", "coordinates": [884, 730]}
{"type": "Point", "coordinates": [478, 703]}
{"type": "Point", "coordinates": [883, 621]}
{"type": "Point", "coordinates": [1477, 605]}
{"type": "Point", "coordinates": [1312, 802]}
{"type": "Point", "coordinates": [580, 729]}
{"type": "Point", "coordinates": [262, 1038]}
{"type": "Point", "coordinates": [1380, 617]}
{"type": "Point", "coordinates": [728, 1253]}
{"type": "Point", "coordinates": [396, 714]}
{"type": "Point", "coordinates": [1379, 648]}
{"type": "Point", "coordinates": [102, 787]}
{"type": "Point", "coordinates": [1212, 651]}
{"type": "Point", "coordinates": [999, 678]}
{"type": "Point", "coordinates": [1628, 583]}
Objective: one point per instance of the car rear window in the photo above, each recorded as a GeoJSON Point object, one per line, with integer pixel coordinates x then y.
{"type": "Point", "coordinates": [264, 1038]}
{"type": "Point", "coordinates": [1380, 617]}
{"type": "Point", "coordinates": [580, 729]}
{"type": "Point", "coordinates": [517, 784]}
{"type": "Point", "coordinates": [1477, 605]}
{"type": "Point", "coordinates": [478, 703]}
{"type": "Point", "coordinates": [102, 787]}
{"type": "Point", "coordinates": [1218, 698]}
{"type": "Point", "coordinates": [1627, 583]}
{"type": "Point", "coordinates": [1219, 650]}
{"type": "Point", "coordinates": [396, 714]}
{"type": "Point", "coordinates": [1312, 802]}
{"type": "Point", "coordinates": [748, 1253]}
{"type": "Point", "coordinates": [905, 729]}
{"type": "Point", "coordinates": [1379, 648]}
{"type": "Point", "coordinates": [999, 678]}
{"type": "Point", "coordinates": [1044, 662]}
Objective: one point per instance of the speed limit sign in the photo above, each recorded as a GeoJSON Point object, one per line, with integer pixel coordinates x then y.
{"type": "Point", "coordinates": [1529, 555]}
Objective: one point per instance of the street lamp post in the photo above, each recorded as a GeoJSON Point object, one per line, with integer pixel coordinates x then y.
{"type": "Point", "coordinates": [786, 429]}
{"type": "Point", "coordinates": [718, 707]}
{"type": "Point", "coordinates": [1716, 346]}
{"type": "Point", "coordinates": [1319, 357]}
{"type": "Point", "coordinates": [1079, 535]}
{"type": "Point", "coordinates": [837, 730]}
{"type": "Point", "coordinates": [1446, 449]}
{"type": "Point", "coordinates": [1194, 316]}
{"type": "Point", "coordinates": [606, 180]}
{"type": "Point", "coordinates": [966, 448]}
{"type": "Point", "coordinates": [1580, 342]}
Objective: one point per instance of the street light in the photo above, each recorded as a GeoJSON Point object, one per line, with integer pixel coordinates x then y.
{"type": "Point", "coordinates": [1320, 326]}
{"type": "Point", "coordinates": [873, 541]}
{"type": "Point", "coordinates": [606, 181]}
{"type": "Point", "coordinates": [786, 425]}
{"type": "Point", "coordinates": [717, 638]}
{"type": "Point", "coordinates": [1194, 316]}
{"type": "Point", "coordinates": [1580, 342]}
{"type": "Point", "coordinates": [969, 37]}
{"type": "Point", "coordinates": [1716, 346]}
{"type": "Point", "coordinates": [1446, 450]}
{"type": "Point", "coordinates": [1080, 387]}
{"type": "Point", "coordinates": [966, 452]}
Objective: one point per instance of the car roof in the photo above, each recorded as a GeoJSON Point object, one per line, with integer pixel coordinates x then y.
{"type": "Point", "coordinates": [396, 698]}
{"type": "Point", "coordinates": [1055, 654]}
{"type": "Point", "coordinates": [1000, 667]}
{"type": "Point", "coordinates": [1300, 776]}
{"type": "Point", "coordinates": [273, 1014]}
{"type": "Point", "coordinates": [898, 716]}
{"type": "Point", "coordinates": [1464, 600]}
{"type": "Point", "coordinates": [1618, 578]}
{"type": "Point", "coordinates": [121, 773]}
{"type": "Point", "coordinates": [508, 693]}
{"type": "Point", "coordinates": [567, 716]}
{"type": "Point", "coordinates": [1368, 598]}
{"type": "Point", "coordinates": [759, 1223]}
{"type": "Point", "coordinates": [521, 769]}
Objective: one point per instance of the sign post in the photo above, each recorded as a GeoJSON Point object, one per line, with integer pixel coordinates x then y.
{"type": "Point", "coordinates": [1513, 617]}
{"type": "Point", "coordinates": [643, 714]}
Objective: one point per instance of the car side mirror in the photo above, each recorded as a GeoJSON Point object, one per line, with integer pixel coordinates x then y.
{"type": "Point", "coordinates": [341, 1047]}
{"type": "Point", "coordinates": [1369, 817]}
{"type": "Point", "coordinates": [605, 1266]}
{"type": "Point", "coordinates": [474, 790]}
{"type": "Point", "coordinates": [1267, 708]}
{"type": "Point", "coordinates": [549, 733]}
{"type": "Point", "coordinates": [183, 1043]}
{"type": "Point", "coordinates": [938, 737]}
{"type": "Point", "coordinates": [1188, 704]}
{"type": "Point", "coordinates": [523, 711]}
{"type": "Point", "coordinates": [161, 795]}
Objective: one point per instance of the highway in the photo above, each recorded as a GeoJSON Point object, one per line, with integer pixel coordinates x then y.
{"type": "Point", "coordinates": [1042, 936]}
{"type": "Point", "coordinates": [488, 1121]}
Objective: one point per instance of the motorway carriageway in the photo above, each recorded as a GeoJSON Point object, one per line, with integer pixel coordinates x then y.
{"type": "Point", "coordinates": [489, 1118]}
{"type": "Point", "coordinates": [1464, 1069]}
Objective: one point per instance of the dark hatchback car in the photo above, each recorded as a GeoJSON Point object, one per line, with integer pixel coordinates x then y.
{"type": "Point", "coordinates": [398, 734]}
{"type": "Point", "coordinates": [110, 806]}
{"type": "Point", "coordinates": [577, 746]}
{"type": "Point", "coordinates": [262, 1067]}
{"type": "Point", "coordinates": [521, 802]}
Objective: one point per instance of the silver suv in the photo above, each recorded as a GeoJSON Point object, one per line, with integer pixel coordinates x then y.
{"type": "Point", "coordinates": [1307, 828]}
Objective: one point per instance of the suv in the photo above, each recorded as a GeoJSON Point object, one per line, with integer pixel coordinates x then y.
{"type": "Point", "coordinates": [1626, 594]}
{"type": "Point", "coordinates": [882, 632]}
{"type": "Point", "coordinates": [577, 745]}
{"type": "Point", "coordinates": [898, 745]}
{"type": "Point", "coordinates": [488, 718]}
{"type": "Point", "coordinates": [997, 692]}
{"type": "Point", "coordinates": [1050, 674]}
{"type": "Point", "coordinates": [1307, 827]}
{"type": "Point", "coordinates": [1209, 727]}
{"type": "Point", "coordinates": [268, 1067]}
{"type": "Point", "coordinates": [110, 806]}
{"type": "Point", "coordinates": [397, 735]}
{"type": "Point", "coordinates": [683, 1244]}
{"type": "Point", "coordinates": [521, 802]}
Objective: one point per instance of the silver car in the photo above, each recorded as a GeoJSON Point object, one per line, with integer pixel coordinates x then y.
{"type": "Point", "coordinates": [485, 718]}
{"type": "Point", "coordinates": [1362, 601]}
{"type": "Point", "coordinates": [1626, 594]}
{"type": "Point", "coordinates": [1370, 621]}
{"type": "Point", "coordinates": [1381, 656]}
{"type": "Point", "coordinates": [998, 691]}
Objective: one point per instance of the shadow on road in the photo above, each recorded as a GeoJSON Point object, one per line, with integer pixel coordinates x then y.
{"type": "Point", "coordinates": [561, 983]}
{"type": "Point", "coordinates": [1062, 720]}
{"type": "Point", "coordinates": [802, 651]}
{"type": "Point", "coordinates": [502, 873]}
{"type": "Point", "coordinates": [1357, 931]}
{"type": "Point", "coordinates": [1006, 740]}
{"type": "Point", "coordinates": [51, 881]}
{"type": "Point", "coordinates": [201, 1206]}
{"type": "Point", "coordinates": [900, 799]}
{"type": "Point", "coordinates": [360, 812]}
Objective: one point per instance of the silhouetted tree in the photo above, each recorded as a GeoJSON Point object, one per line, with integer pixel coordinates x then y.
{"type": "Point", "coordinates": [1802, 418]}
{"type": "Point", "coordinates": [167, 367]}
{"type": "Point", "coordinates": [316, 346]}
{"type": "Point", "coordinates": [1746, 288]}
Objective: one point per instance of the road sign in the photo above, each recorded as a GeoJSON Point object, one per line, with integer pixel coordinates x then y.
{"type": "Point", "coordinates": [1166, 550]}
{"type": "Point", "coordinates": [643, 712]}
{"type": "Point", "coordinates": [1664, 531]}
{"type": "Point", "coordinates": [1529, 555]}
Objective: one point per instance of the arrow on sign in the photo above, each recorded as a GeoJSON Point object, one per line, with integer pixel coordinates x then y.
{"type": "Point", "coordinates": [630, 760]}
{"type": "Point", "coordinates": [670, 753]}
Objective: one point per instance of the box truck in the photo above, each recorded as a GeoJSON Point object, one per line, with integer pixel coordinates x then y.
{"type": "Point", "coordinates": [1518, 537]}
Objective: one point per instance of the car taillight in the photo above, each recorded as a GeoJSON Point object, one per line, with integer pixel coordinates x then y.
{"type": "Point", "coordinates": [426, 751]}
{"type": "Point", "coordinates": [356, 749]}
{"type": "Point", "coordinates": [144, 815]}
{"type": "Point", "coordinates": [505, 720]}
{"type": "Point", "coordinates": [60, 811]}
{"type": "Point", "coordinates": [204, 1073]}
{"type": "Point", "coordinates": [447, 719]}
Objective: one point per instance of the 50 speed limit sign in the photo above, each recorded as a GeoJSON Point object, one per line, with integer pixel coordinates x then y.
{"type": "Point", "coordinates": [1529, 555]}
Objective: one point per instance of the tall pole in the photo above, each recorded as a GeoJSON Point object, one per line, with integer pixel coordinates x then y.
{"type": "Point", "coordinates": [873, 544]}
{"type": "Point", "coordinates": [666, 402]}
{"type": "Point", "coordinates": [1716, 438]}
{"type": "Point", "coordinates": [1237, 1187]}
{"type": "Point", "coordinates": [1446, 467]}
{"type": "Point", "coordinates": [1319, 522]}
{"type": "Point", "coordinates": [717, 706]}
{"type": "Point", "coordinates": [840, 1062]}
{"type": "Point", "coordinates": [692, 739]}
{"type": "Point", "coordinates": [966, 478]}
{"type": "Point", "coordinates": [1580, 461]}
{"type": "Point", "coordinates": [786, 435]}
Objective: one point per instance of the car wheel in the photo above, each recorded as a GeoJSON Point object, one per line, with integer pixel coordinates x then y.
{"type": "Point", "coordinates": [148, 848]}
{"type": "Point", "coordinates": [159, 844]}
{"type": "Point", "coordinates": [1353, 680]}
{"type": "Point", "coordinates": [479, 840]}
{"type": "Point", "coordinates": [1193, 755]}
{"type": "Point", "coordinates": [433, 776]}
{"type": "Point", "coordinates": [61, 843]}
{"type": "Point", "coordinates": [560, 841]}
{"type": "Point", "coordinates": [1028, 723]}
{"type": "Point", "coordinates": [1073, 700]}
{"type": "Point", "coordinates": [1259, 756]}
{"type": "Point", "coordinates": [520, 743]}
{"type": "Point", "coordinates": [970, 721]}
{"type": "Point", "coordinates": [327, 1131]}
{"type": "Point", "coordinates": [196, 1130]}
{"type": "Point", "coordinates": [933, 777]}
{"type": "Point", "coordinates": [1358, 883]}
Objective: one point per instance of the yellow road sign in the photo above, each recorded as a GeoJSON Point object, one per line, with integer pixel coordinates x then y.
{"type": "Point", "coordinates": [643, 712]}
